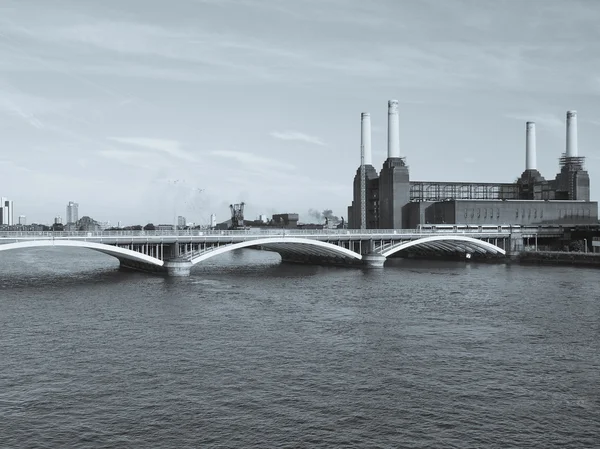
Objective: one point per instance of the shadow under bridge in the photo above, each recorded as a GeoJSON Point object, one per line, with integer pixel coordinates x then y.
{"type": "Point", "coordinates": [291, 249]}
{"type": "Point", "coordinates": [446, 245]}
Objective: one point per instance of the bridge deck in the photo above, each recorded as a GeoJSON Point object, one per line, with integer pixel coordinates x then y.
{"type": "Point", "coordinates": [197, 236]}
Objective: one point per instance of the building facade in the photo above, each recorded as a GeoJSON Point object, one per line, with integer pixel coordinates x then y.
{"type": "Point", "coordinates": [72, 212]}
{"type": "Point", "coordinates": [393, 201]}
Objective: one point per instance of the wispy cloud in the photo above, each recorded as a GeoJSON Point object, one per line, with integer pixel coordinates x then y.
{"type": "Point", "coordinates": [168, 147]}
{"type": "Point", "coordinates": [28, 107]}
{"type": "Point", "coordinates": [252, 160]}
{"type": "Point", "coordinates": [542, 119]}
{"type": "Point", "coordinates": [297, 136]}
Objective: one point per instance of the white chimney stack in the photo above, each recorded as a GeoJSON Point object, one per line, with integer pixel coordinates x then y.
{"type": "Point", "coordinates": [393, 129]}
{"type": "Point", "coordinates": [365, 137]}
{"type": "Point", "coordinates": [530, 147]}
{"type": "Point", "coordinates": [571, 133]}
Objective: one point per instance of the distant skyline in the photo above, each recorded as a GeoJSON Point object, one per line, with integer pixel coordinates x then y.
{"type": "Point", "coordinates": [141, 111]}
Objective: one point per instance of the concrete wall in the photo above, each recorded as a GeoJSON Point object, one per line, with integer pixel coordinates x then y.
{"type": "Point", "coordinates": [582, 186]}
{"type": "Point", "coordinates": [394, 194]}
{"type": "Point", "coordinates": [512, 212]}
{"type": "Point", "coordinates": [415, 213]}
{"type": "Point", "coordinates": [372, 220]}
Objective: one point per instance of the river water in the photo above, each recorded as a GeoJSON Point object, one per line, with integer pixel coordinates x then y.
{"type": "Point", "coordinates": [248, 352]}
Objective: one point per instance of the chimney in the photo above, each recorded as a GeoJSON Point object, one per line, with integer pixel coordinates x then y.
{"type": "Point", "coordinates": [571, 133]}
{"type": "Point", "coordinates": [393, 130]}
{"type": "Point", "coordinates": [530, 147]}
{"type": "Point", "coordinates": [365, 136]}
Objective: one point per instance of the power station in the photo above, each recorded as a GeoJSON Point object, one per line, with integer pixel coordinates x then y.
{"type": "Point", "coordinates": [390, 200]}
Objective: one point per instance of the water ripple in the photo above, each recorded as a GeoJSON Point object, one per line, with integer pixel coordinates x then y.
{"type": "Point", "coordinates": [247, 352]}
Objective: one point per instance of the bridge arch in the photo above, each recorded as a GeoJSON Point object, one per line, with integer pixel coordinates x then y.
{"type": "Point", "coordinates": [285, 245]}
{"type": "Point", "coordinates": [447, 243]}
{"type": "Point", "coordinates": [115, 251]}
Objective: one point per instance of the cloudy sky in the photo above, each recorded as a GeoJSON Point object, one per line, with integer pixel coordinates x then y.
{"type": "Point", "coordinates": [139, 109]}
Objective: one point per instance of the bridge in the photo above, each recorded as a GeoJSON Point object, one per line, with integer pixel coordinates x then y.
{"type": "Point", "coordinates": [176, 252]}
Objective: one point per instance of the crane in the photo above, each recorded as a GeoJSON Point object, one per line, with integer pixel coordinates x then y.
{"type": "Point", "coordinates": [237, 215]}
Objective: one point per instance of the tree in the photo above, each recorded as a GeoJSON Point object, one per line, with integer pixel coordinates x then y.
{"type": "Point", "coordinates": [149, 227]}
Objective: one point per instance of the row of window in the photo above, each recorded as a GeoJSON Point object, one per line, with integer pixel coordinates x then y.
{"type": "Point", "coordinates": [484, 212]}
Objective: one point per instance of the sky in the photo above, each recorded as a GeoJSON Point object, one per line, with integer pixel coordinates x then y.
{"type": "Point", "coordinates": [140, 110]}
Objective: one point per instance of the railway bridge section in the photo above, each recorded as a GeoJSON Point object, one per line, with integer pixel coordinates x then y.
{"type": "Point", "coordinates": [175, 252]}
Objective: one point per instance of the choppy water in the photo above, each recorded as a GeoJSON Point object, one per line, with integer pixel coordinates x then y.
{"type": "Point", "coordinates": [251, 353]}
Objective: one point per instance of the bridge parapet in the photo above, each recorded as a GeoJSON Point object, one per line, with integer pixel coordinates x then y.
{"type": "Point", "coordinates": [242, 233]}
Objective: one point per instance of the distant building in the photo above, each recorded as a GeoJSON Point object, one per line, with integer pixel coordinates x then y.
{"type": "Point", "coordinates": [22, 220]}
{"type": "Point", "coordinates": [213, 220]}
{"type": "Point", "coordinates": [6, 212]}
{"type": "Point", "coordinates": [263, 218]}
{"type": "Point", "coordinates": [87, 224]}
{"type": "Point", "coordinates": [72, 212]}
{"type": "Point", "coordinates": [223, 226]}
{"type": "Point", "coordinates": [165, 227]}
{"type": "Point", "coordinates": [180, 222]}
{"type": "Point", "coordinates": [285, 220]}
{"type": "Point", "coordinates": [57, 219]}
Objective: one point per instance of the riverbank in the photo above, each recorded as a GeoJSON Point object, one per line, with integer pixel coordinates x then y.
{"type": "Point", "coordinates": [559, 258]}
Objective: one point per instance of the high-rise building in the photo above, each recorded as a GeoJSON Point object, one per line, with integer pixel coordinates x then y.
{"type": "Point", "coordinates": [72, 212]}
{"type": "Point", "coordinates": [213, 220]}
{"type": "Point", "coordinates": [181, 222]}
{"type": "Point", "coordinates": [58, 219]}
{"type": "Point", "coordinates": [22, 220]}
{"type": "Point", "coordinates": [6, 212]}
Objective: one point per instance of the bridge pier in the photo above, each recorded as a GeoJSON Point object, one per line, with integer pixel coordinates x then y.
{"type": "Point", "coordinates": [178, 269]}
{"type": "Point", "coordinates": [373, 260]}
{"type": "Point", "coordinates": [516, 246]}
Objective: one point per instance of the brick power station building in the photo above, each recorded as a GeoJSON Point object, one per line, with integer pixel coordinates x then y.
{"type": "Point", "coordinates": [393, 201]}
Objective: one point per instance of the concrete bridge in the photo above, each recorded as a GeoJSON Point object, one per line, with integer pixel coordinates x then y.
{"type": "Point", "coordinates": [176, 252]}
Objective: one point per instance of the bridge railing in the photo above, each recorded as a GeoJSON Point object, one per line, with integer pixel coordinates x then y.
{"type": "Point", "coordinates": [241, 233]}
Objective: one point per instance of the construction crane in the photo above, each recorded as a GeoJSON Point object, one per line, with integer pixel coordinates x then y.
{"type": "Point", "coordinates": [237, 216]}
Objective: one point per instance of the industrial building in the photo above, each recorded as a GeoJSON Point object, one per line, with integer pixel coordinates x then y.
{"type": "Point", "coordinates": [390, 200]}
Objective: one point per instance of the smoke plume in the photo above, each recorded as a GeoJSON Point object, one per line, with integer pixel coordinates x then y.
{"type": "Point", "coordinates": [328, 213]}
{"type": "Point", "coordinates": [321, 216]}
{"type": "Point", "coordinates": [313, 213]}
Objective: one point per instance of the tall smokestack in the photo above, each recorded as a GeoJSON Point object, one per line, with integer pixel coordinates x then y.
{"type": "Point", "coordinates": [365, 137]}
{"type": "Point", "coordinates": [530, 149]}
{"type": "Point", "coordinates": [393, 129]}
{"type": "Point", "coordinates": [571, 133]}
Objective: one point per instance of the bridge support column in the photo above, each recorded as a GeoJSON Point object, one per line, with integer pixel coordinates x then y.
{"type": "Point", "coordinates": [373, 260]}
{"type": "Point", "coordinates": [515, 246]}
{"type": "Point", "coordinates": [178, 269]}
